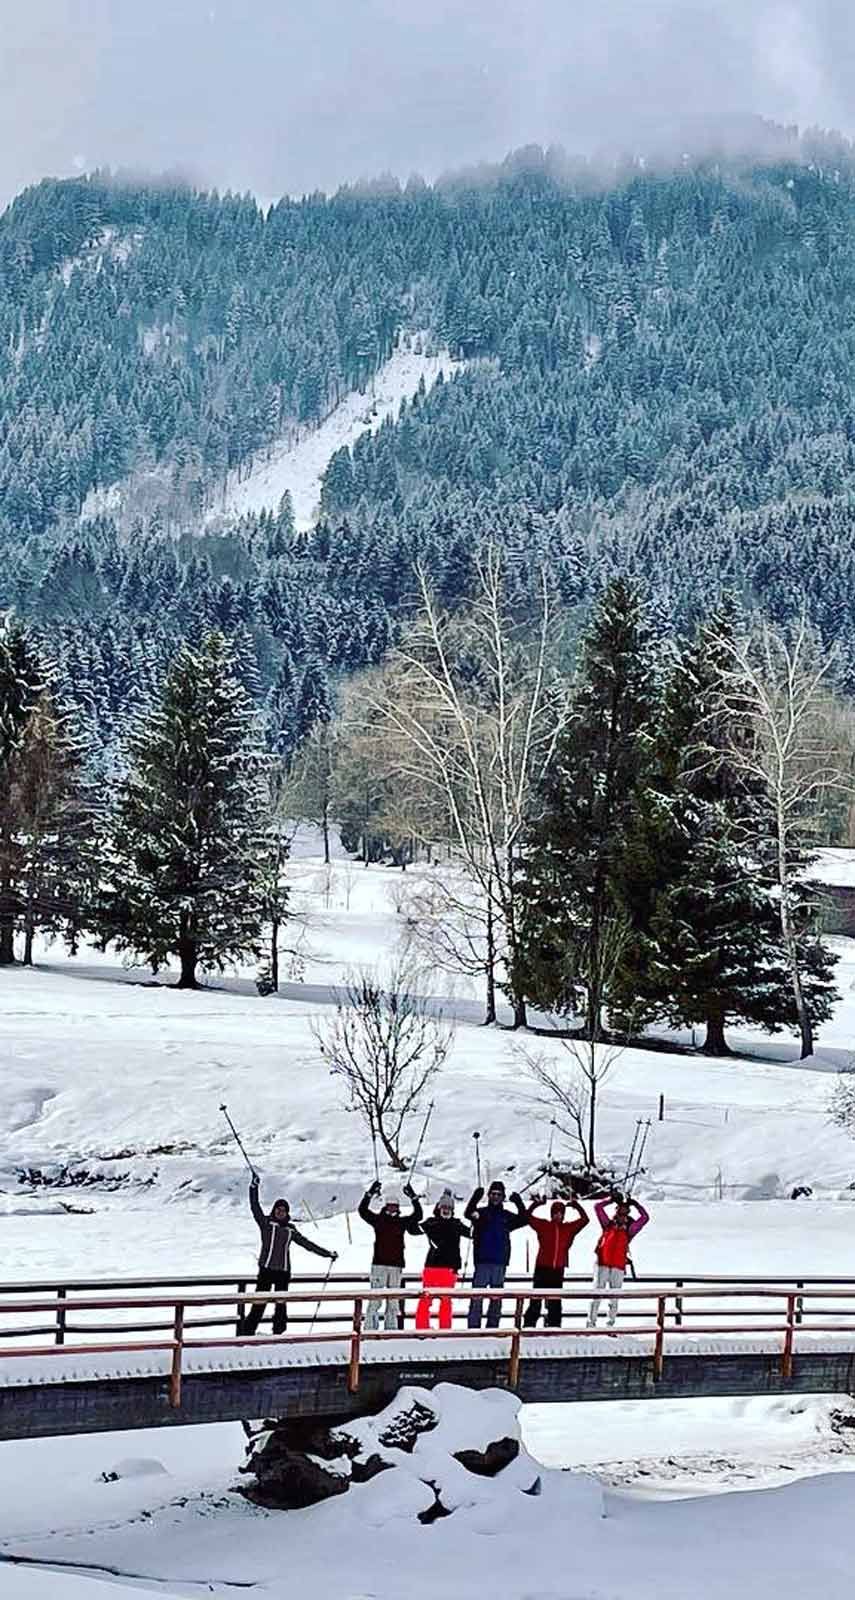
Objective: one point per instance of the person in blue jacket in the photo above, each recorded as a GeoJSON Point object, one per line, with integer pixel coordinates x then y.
{"type": "Point", "coordinates": [492, 1226]}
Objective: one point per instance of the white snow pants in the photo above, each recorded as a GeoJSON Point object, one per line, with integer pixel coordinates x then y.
{"type": "Point", "coordinates": [385, 1278]}
{"type": "Point", "coordinates": [605, 1278]}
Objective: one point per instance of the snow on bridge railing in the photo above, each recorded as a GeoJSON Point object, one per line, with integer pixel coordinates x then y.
{"type": "Point", "coordinates": [352, 1331]}
{"type": "Point", "coordinates": [62, 1300]}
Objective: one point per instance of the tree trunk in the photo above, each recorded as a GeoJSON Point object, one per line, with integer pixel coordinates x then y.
{"type": "Point", "coordinates": [520, 1014]}
{"type": "Point", "coordinates": [28, 947]}
{"type": "Point", "coordinates": [7, 915]}
{"type": "Point", "coordinates": [592, 1112]}
{"type": "Point", "coordinates": [325, 829]}
{"type": "Point", "coordinates": [274, 954]}
{"type": "Point", "coordinates": [715, 1043]}
{"type": "Point", "coordinates": [392, 1153]}
{"type": "Point", "coordinates": [792, 949]}
{"type": "Point", "coordinates": [188, 953]}
{"type": "Point", "coordinates": [490, 967]}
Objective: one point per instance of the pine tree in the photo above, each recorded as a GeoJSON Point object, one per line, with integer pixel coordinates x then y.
{"type": "Point", "coordinates": [706, 944]}
{"type": "Point", "coordinates": [571, 927]}
{"type": "Point", "coordinates": [189, 843]}
{"type": "Point", "coordinates": [22, 682]}
{"type": "Point", "coordinates": [58, 825]}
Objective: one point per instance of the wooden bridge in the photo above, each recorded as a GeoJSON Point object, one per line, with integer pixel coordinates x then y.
{"type": "Point", "coordinates": [99, 1355]}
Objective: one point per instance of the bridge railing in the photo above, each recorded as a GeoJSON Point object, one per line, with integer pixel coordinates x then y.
{"type": "Point", "coordinates": [651, 1313]}
{"type": "Point", "coordinates": [64, 1314]}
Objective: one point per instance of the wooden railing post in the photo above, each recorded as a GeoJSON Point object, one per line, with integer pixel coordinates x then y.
{"type": "Point", "coordinates": [678, 1305]}
{"type": "Point", "coordinates": [787, 1357]}
{"type": "Point", "coordinates": [659, 1346]}
{"type": "Point", "coordinates": [800, 1304]}
{"type": "Point", "coordinates": [241, 1308]}
{"type": "Point", "coordinates": [175, 1375]}
{"type": "Point", "coordinates": [355, 1346]}
{"type": "Point", "coordinates": [514, 1365]}
{"type": "Point", "coordinates": [61, 1314]}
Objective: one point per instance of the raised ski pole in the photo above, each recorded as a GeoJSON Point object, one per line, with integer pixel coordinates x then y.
{"type": "Point", "coordinates": [238, 1140]}
{"type": "Point", "coordinates": [639, 1157]}
{"type": "Point", "coordinates": [374, 1150]}
{"type": "Point", "coordinates": [428, 1116]}
{"type": "Point", "coordinates": [630, 1160]}
{"type": "Point", "coordinates": [477, 1138]}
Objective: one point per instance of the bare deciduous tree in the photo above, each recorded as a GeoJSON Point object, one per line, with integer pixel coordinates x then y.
{"type": "Point", "coordinates": [476, 708]}
{"type": "Point", "coordinates": [386, 1041]}
{"type": "Point", "coordinates": [450, 921]}
{"type": "Point", "coordinates": [777, 688]}
{"type": "Point", "coordinates": [570, 1088]}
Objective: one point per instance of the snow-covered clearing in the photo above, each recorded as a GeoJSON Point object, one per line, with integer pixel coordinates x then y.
{"type": "Point", "coordinates": [120, 1079]}
{"type": "Point", "coordinates": [297, 463]}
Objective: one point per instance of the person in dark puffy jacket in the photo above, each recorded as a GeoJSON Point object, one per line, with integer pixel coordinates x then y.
{"type": "Point", "coordinates": [274, 1261]}
{"type": "Point", "coordinates": [492, 1226]}
{"type": "Point", "coordinates": [387, 1262]}
{"type": "Point", "coordinates": [442, 1263]}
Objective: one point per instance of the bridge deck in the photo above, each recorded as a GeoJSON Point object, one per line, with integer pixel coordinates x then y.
{"type": "Point", "coordinates": [674, 1340]}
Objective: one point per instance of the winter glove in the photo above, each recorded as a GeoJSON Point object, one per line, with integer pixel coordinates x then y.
{"type": "Point", "coordinates": [375, 1187]}
{"type": "Point", "coordinates": [409, 1191]}
{"type": "Point", "coordinates": [254, 1181]}
{"type": "Point", "coordinates": [333, 1255]}
{"type": "Point", "coordinates": [478, 1194]}
{"type": "Point", "coordinates": [517, 1198]}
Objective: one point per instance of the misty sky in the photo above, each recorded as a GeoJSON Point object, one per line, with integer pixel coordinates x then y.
{"type": "Point", "coordinates": [290, 95]}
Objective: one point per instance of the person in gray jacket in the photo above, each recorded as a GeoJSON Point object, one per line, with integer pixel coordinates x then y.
{"type": "Point", "coordinates": [274, 1262]}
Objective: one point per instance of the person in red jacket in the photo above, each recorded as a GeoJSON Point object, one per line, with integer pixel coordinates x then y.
{"type": "Point", "coordinates": [619, 1230]}
{"type": "Point", "coordinates": [554, 1239]}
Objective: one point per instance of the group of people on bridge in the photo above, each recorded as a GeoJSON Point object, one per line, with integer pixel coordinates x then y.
{"type": "Point", "coordinates": [488, 1227]}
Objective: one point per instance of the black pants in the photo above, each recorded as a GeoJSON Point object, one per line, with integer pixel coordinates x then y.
{"type": "Point", "coordinates": [545, 1278]}
{"type": "Point", "coordinates": [268, 1280]}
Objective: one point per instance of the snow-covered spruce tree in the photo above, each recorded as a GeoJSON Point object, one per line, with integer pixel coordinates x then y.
{"type": "Point", "coordinates": [58, 822]}
{"type": "Point", "coordinates": [190, 839]}
{"type": "Point", "coordinates": [22, 681]}
{"type": "Point", "coordinates": [571, 920]}
{"type": "Point", "coordinates": [706, 945]}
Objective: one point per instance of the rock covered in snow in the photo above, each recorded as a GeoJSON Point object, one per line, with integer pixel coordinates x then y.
{"type": "Point", "coordinates": [444, 1448]}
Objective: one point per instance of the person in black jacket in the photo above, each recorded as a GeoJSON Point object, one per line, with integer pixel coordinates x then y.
{"type": "Point", "coordinates": [442, 1263]}
{"type": "Point", "coordinates": [387, 1262]}
{"type": "Point", "coordinates": [492, 1226]}
{"type": "Point", "coordinates": [274, 1262]}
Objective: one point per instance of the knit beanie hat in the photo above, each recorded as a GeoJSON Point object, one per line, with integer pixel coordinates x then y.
{"type": "Point", "coordinates": [445, 1199]}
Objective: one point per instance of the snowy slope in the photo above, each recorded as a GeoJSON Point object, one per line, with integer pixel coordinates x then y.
{"type": "Point", "coordinates": [298, 462]}
{"type": "Point", "coordinates": [123, 1080]}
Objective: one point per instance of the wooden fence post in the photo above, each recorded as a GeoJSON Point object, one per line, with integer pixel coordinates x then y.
{"type": "Point", "coordinates": [241, 1308]}
{"type": "Point", "coordinates": [659, 1347]}
{"type": "Point", "coordinates": [787, 1357]}
{"type": "Point", "coordinates": [355, 1346]}
{"type": "Point", "coordinates": [514, 1366]}
{"type": "Point", "coordinates": [61, 1314]}
{"type": "Point", "coordinates": [175, 1375]}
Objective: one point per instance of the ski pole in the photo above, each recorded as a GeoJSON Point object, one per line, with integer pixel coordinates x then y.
{"type": "Point", "coordinates": [630, 1160]}
{"type": "Point", "coordinates": [639, 1159]}
{"type": "Point", "coordinates": [321, 1295]}
{"type": "Point", "coordinates": [225, 1110]}
{"type": "Point", "coordinates": [476, 1137]}
{"type": "Point", "coordinates": [374, 1150]}
{"type": "Point", "coordinates": [420, 1143]}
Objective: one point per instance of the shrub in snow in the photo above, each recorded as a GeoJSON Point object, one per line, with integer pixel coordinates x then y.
{"type": "Point", "coordinates": [135, 1467]}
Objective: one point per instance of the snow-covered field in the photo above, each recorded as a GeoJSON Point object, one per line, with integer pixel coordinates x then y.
{"type": "Point", "coordinates": [297, 464]}
{"type": "Point", "coordinates": [108, 1073]}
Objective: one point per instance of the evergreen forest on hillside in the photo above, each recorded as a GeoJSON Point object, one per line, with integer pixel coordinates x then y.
{"type": "Point", "coordinates": [658, 386]}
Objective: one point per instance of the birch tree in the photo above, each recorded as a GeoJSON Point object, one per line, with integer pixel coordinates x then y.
{"type": "Point", "coordinates": [476, 712]}
{"type": "Point", "coordinates": [778, 687]}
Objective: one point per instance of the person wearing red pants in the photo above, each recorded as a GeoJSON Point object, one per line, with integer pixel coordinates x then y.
{"type": "Point", "coordinates": [442, 1263]}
